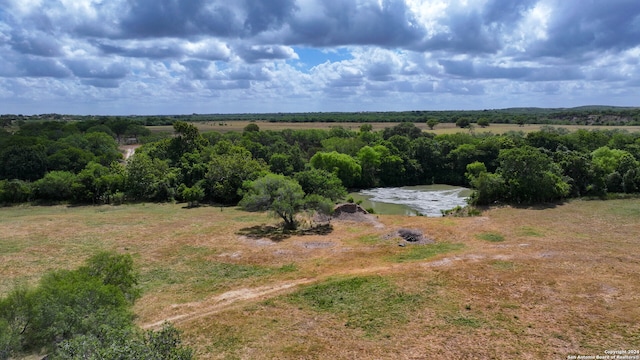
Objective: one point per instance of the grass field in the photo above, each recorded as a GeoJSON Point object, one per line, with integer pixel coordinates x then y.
{"type": "Point", "coordinates": [514, 283]}
{"type": "Point", "coordinates": [444, 128]}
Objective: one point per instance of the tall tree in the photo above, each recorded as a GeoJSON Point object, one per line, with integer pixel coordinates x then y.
{"type": "Point", "coordinates": [531, 176]}
{"type": "Point", "coordinates": [343, 165]}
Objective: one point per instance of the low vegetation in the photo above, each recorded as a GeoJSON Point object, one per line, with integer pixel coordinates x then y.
{"type": "Point", "coordinates": [560, 280]}
{"type": "Point", "coordinates": [83, 313]}
{"type": "Point", "coordinates": [371, 304]}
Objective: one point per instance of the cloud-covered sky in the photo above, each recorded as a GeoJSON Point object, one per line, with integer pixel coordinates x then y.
{"type": "Point", "coordinates": [222, 56]}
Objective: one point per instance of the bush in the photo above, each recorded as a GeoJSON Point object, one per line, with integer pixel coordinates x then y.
{"type": "Point", "coordinates": [83, 313]}
{"type": "Point", "coordinates": [55, 186]}
{"type": "Point", "coordinates": [14, 191]}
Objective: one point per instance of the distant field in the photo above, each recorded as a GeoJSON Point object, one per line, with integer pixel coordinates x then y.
{"type": "Point", "coordinates": [445, 128]}
{"type": "Point", "coordinates": [515, 283]}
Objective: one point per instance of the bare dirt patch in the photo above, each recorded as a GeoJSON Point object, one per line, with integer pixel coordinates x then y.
{"type": "Point", "coordinates": [128, 150]}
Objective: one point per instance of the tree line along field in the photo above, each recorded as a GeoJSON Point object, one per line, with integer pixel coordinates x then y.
{"type": "Point", "coordinates": [516, 282]}
{"type": "Point", "coordinates": [203, 262]}
{"type": "Point", "coordinates": [584, 115]}
{"type": "Point", "coordinates": [81, 163]}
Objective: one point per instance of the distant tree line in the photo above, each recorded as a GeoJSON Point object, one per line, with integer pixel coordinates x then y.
{"type": "Point", "coordinates": [586, 115]}
{"type": "Point", "coordinates": [80, 163]}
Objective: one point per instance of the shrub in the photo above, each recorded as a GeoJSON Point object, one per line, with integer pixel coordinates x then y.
{"type": "Point", "coordinates": [83, 313]}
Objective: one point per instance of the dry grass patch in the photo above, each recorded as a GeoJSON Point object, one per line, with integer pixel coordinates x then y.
{"type": "Point", "coordinates": [565, 280]}
{"type": "Point", "coordinates": [443, 128]}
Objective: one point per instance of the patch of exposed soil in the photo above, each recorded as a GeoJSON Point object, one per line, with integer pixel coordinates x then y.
{"type": "Point", "coordinates": [128, 150]}
{"type": "Point", "coordinates": [412, 236]}
{"type": "Point", "coordinates": [359, 218]}
{"type": "Point", "coordinates": [317, 244]}
{"type": "Point", "coordinates": [278, 233]}
{"type": "Point", "coordinates": [191, 311]}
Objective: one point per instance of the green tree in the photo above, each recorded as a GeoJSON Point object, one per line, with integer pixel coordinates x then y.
{"type": "Point", "coordinates": [580, 173]}
{"type": "Point", "coordinates": [281, 164]}
{"type": "Point", "coordinates": [227, 172]}
{"type": "Point", "coordinates": [103, 147]}
{"type": "Point", "coordinates": [483, 122]}
{"type": "Point", "coordinates": [70, 159]}
{"type": "Point", "coordinates": [321, 182]}
{"type": "Point", "coordinates": [55, 186]}
{"type": "Point", "coordinates": [458, 160]}
{"type": "Point", "coordinates": [343, 165]}
{"type": "Point", "coordinates": [118, 126]}
{"type": "Point", "coordinates": [370, 161]}
{"type": "Point", "coordinates": [531, 176]}
{"type": "Point", "coordinates": [187, 140]}
{"type": "Point", "coordinates": [463, 122]}
{"type": "Point", "coordinates": [192, 195]}
{"type": "Point", "coordinates": [283, 197]}
{"type": "Point", "coordinates": [427, 152]}
{"type": "Point", "coordinates": [407, 129]}
{"type": "Point", "coordinates": [149, 179]}
{"type": "Point", "coordinates": [251, 127]}
{"type": "Point", "coordinates": [392, 170]}
{"type": "Point", "coordinates": [489, 187]}
{"type": "Point", "coordinates": [84, 314]}
{"type": "Point", "coordinates": [432, 122]}
{"type": "Point", "coordinates": [23, 161]}
{"type": "Point", "coordinates": [14, 191]}
{"type": "Point", "coordinates": [342, 145]}
{"type": "Point", "coordinates": [114, 270]}
{"type": "Point", "coordinates": [136, 131]}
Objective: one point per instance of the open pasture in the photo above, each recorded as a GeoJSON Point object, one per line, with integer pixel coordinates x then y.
{"type": "Point", "coordinates": [444, 128]}
{"type": "Point", "coordinates": [525, 283]}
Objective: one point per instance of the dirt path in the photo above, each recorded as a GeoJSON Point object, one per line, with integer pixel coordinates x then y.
{"type": "Point", "coordinates": [128, 150]}
{"type": "Point", "coordinates": [233, 298]}
{"type": "Point", "coordinates": [227, 300]}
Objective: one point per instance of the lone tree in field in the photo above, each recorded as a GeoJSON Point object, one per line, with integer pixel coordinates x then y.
{"type": "Point", "coordinates": [283, 197]}
{"type": "Point", "coordinates": [432, 122]}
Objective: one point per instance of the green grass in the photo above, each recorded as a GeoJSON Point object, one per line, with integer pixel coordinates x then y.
{"type": "Point", "coordinates": [225, 339]}
{"type": "Point", "coordinates": [491, 237]}
{"type": "Point", "coordinates": [367, 303]}
{"type": "Point", "coordinates": [503, 265]}
{"type": "Point", "coordinates": [204, 276]}
{"type": "Point", "coordinates": [421, 252]}
{"type": "Point", "coordinates": [530, 231]}
{"type": "Point", "coordinates": [369, 239]}
{"type": "Point", "coordinates": [464, 321]}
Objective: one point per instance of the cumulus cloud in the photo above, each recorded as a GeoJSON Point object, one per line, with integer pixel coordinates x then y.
{"type": "Point", "coordinates": [327, 54]}
{"type": "Point", "coordinates": [256, 53]}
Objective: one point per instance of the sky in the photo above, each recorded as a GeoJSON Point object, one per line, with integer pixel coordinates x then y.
{"type": "Point", "coordinates": [126, 57]}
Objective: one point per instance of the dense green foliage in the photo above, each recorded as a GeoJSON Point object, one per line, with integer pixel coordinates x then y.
{"type": "Point", "coordinates": [78, 162]}
{"type": "Point", "coordinates": [84, 314]}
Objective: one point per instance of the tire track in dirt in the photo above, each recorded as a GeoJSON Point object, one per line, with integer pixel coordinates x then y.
{"type": "Point", "coordinates": [233, 298]}
{"type": "Point", "coordinates": [228, 299]}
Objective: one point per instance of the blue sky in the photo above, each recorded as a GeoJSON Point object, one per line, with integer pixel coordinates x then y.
{"type": "Point", "coordinates": [219, 56]}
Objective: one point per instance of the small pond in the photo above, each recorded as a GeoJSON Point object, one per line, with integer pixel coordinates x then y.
{"type": "Point", "coordinates": [427, 200]}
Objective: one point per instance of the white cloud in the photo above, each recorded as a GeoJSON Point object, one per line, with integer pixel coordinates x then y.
{"type": "Point", "coordinates": [173, 56]}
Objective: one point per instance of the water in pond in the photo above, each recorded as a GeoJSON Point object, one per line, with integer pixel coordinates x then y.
{"type": "Point", "coordinates": [427, 200]}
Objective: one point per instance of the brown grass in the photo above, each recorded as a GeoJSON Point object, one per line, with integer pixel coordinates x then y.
{"type": "Point", "coordinates": [444, 128]}
{"type": "Point", "coordinates": [565, 280]}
